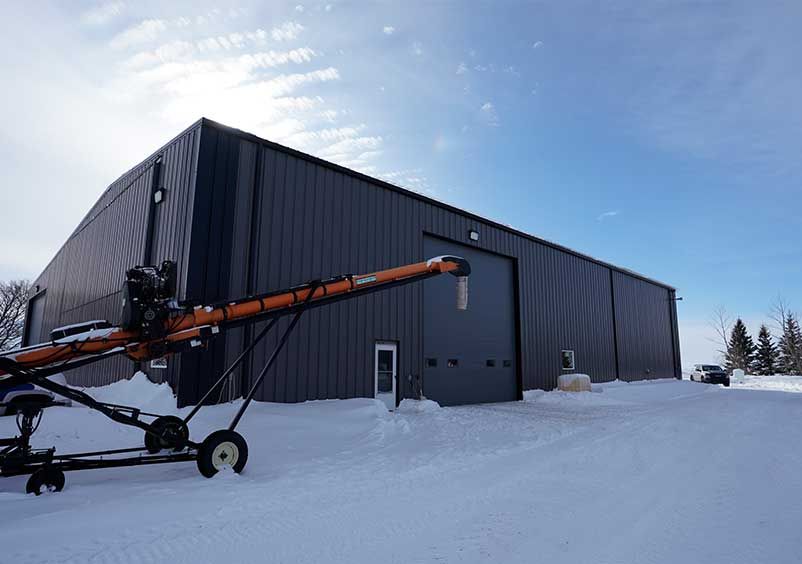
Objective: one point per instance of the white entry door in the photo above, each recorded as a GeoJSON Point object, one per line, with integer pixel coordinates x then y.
{"type": "Point", "coordinates": [386, 363]}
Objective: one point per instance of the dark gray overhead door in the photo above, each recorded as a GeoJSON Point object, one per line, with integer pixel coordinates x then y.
{"type": "Point", "coordinates": [469, 356]}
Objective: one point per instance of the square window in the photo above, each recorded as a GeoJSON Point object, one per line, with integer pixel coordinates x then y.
{"type": "Point", "coordinates": [453, 362]}
{"type": "Point", "coordinates": [507, 363]}
{"type": "Point", "coordinates": [490, 363]}
{"type": "Point", "coordinates": [567, 360]}
{"type": "Point", "coordinates": [431, 363]}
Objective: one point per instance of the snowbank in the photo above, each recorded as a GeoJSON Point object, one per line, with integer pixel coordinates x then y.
{"type": "Point", "coordinates": [138, 391]}
{"type": "Point", "coordinates": [619, 392]}
{"type": "Point", "coordinates": [417, 406]}
{"type": "Point", "coordinates": [778, 382]}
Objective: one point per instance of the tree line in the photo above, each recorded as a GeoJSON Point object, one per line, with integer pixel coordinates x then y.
{"type": "Point", "coordinates": [768, 356]}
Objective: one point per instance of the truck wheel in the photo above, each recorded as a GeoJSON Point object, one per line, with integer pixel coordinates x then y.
{"type": "Point", "coordinates": [45, 479]}
{"type": "Point", "coordinates": [174, 434]}
{"type": "Point", "coordinates": [222, 449]}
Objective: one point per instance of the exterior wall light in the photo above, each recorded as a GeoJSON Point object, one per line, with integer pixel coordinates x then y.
{"type": "Point", "coordinates": [473, 235]}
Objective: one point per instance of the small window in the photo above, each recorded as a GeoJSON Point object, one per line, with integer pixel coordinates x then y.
{"type": "Point", "coordinates": [453, 362]}
{"type": "Point", "coordinates": [431, 363]}
{"type": "Point", "coordinates": [568, 360]}
{"type": "Point", "coordinates": [490, 363]}
{"type": "Point", "coordinates": [507, 363]}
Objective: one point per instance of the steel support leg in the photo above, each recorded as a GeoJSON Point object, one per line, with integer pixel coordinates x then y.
{"type": "Point", "coordinates": [283, 341]}
{"type": "Point", "coordinates": [231, 368]}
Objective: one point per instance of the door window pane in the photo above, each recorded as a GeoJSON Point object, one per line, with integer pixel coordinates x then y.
{"type": "Point", "coordinates": [385, 361]}
{"type": "Point", "coordinates": [385, 382]}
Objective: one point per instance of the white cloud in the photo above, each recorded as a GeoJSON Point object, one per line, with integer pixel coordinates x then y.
{"type": "Point", "coordinates": [143, 32]}
{"type": "Point", "coordinates": [192, 79]}
{"type": "Point", "coordinates": [537, 45]}
{"type": "Point", "coordinates": [329, 115]}
{"type": "Point", "coordinates": [286, 31]}
{"type": "Point", "coordinates": [179, 58]}
{"type": "Point", "coordinates": [171, 51]}
{"type": "Point", "coordinates": [299, 8]}
{"type": "Point", "coordinates": [328, 135]}
{"type": "Point", "coordinates": [388, 30]}
{"type": "Point", "coordinates": [488, 114]}
{"type": "Point", "coordinates": [343, 148]}
{"type": "Point", "coordinates": [328, 7]}
{"type": "Point", "coordinates": [163, 74]}
{"type": "Point", "coordinates": [607, 214]}
{"type": "Point", "coordinates": [411, 179]}
{"type": "Point", "coordinates": [273, 58]}
{"type": "Point", "coordinates": [103, 13]}
{"type": "Point", "coordinates": [462, 68]}
{"type": "Point", "coordinates": [417, 48]}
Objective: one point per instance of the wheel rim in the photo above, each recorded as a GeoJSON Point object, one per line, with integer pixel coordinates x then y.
{"type": "Point", "coordinates": [225, 454]}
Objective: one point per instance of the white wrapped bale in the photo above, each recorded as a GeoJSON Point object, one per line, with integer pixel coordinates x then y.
{"type": "Point", "coordinates": [574, 383]}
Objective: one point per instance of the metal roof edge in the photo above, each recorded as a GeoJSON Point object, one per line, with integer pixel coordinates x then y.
{"type": "Point", "coordinates": [384, 184]}
{"type": "Point", "coordinates": [196, 124]}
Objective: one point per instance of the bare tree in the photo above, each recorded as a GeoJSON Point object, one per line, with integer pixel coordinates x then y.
{"type": "Point", "coordinates": [721, 321]}
{"type": "Point", "coordinates": [779, 312]}
{"type": "Point", "coordinates": [13, 301]}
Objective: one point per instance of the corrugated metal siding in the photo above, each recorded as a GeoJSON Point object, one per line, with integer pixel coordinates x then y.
{"type": "Point", "coordinates": [312, 220]}
{"type": "Point", "coordinates": [83, 280]}
{"type": "Point", "coordinates": [242, 215]}
{"type": "Point", "coordinates": [644, 327]}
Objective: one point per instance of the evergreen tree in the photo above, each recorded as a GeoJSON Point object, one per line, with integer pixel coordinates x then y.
{"type": "Point", "coordinates": [767, 359]}
{"type": "Point", "coordinates": [791, 346]}
{"type": "Point", "coordinates": [740, 349]}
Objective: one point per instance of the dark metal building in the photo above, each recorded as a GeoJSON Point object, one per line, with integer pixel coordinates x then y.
{"type": "Point", "coordinates": [242, 215]}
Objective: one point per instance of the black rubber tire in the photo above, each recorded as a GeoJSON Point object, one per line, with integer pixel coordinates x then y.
{"type": "Point", "coordinates": [179, 433]}
{"type": "Point", "coordinates": [51, 478]}
{"type": "Point", "coordinates": [218, 449]}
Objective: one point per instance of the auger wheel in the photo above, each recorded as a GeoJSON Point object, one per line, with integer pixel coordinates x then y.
{"type": "Point", "coordinates": [222, 449]}
{"type": "Point", "coordinates": [45, 479]}
{"type": "Point", "coordinates": [174, 434]}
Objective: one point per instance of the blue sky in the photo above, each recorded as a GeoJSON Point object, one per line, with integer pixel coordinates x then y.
{"type": "Point", "coordinates": [663, 137]}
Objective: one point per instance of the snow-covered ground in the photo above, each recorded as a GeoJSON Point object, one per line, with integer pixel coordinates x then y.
{"type": "Point", "coordinates": [668, 471]}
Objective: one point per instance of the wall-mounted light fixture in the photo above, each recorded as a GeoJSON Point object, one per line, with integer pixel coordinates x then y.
{"type": "Point", "coordinates": [473, 235]}
{"type": "Point", "coordinates": [158, 196]}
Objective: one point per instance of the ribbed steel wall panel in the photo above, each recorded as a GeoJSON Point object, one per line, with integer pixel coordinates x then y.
{"type": "Point", "coordinates": [83, 280]}
{"type": "Point", "coordinates": [644, 325]}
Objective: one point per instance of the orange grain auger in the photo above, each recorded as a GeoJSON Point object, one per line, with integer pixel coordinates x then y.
{"type": "Point", "coordinates": [155, 325]}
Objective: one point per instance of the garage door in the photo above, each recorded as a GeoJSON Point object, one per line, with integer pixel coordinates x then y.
{"type": "Point", "coordinates": [469, 356]}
